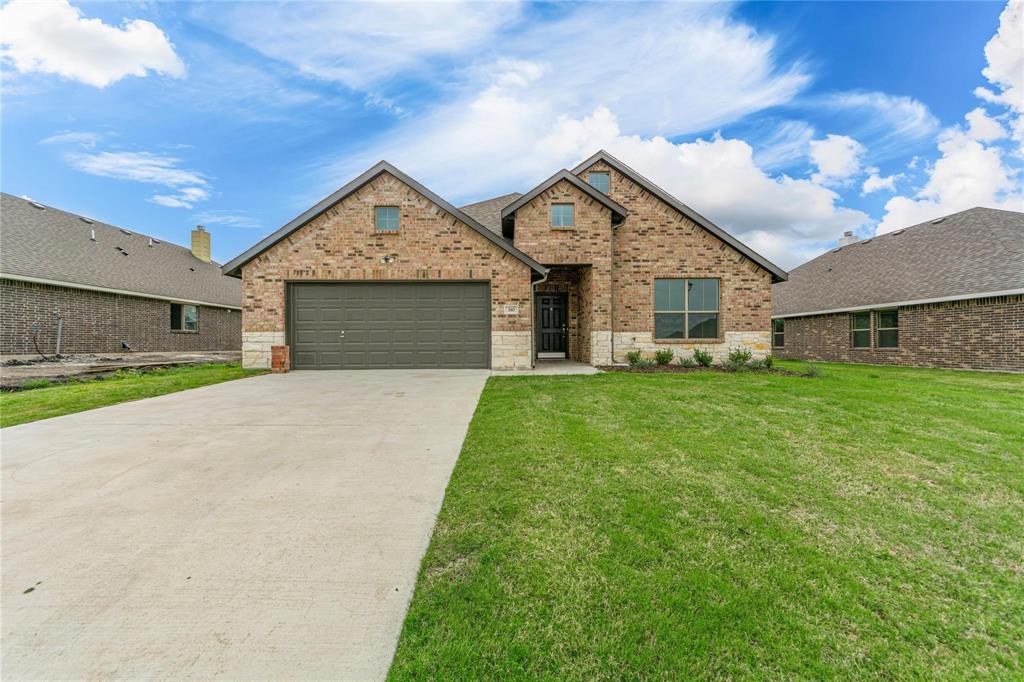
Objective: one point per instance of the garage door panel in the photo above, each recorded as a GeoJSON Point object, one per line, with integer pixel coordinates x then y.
{"type": "Point", "coordinates": [407, 325]}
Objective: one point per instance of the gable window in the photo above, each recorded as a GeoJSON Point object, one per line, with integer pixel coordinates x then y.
{"type": "Point", "coordinates": [887, 326]}
{"type": "Point", "coordinates": [184, 318]}
{"type": "Point", "coordinates": [861, 324]}
{"type": "Point", "coordinates": [600, 181]}
{"type": "Point", "coordinates": [778, 333]}
{"type": "Point", "coordinates": [386, 218]}
{"type": "Point", "coordinates": [563, 215]}
{"type": "Point", "coordinates": [686, 308]}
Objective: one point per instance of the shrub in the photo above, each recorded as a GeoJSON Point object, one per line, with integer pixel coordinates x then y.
{"type": "Point", "coordinates": [644, 364]}
{"type": "Point", "coordinates": [769, 361]}
{"type": "Point", "coordinates": [663, 356]}
{"type": "Point", "coordinates": [702, 357]}
{"type": "Point", "coordinates": [634, 358]}
{"type": "Point", "coordinates": [740, 356]}
{"type": "Point", "coordinates": [759, 364]}
{"type": "Point", "coordinates": [687, 362]}
{"type": "Point", "coordinates": [35, 383]}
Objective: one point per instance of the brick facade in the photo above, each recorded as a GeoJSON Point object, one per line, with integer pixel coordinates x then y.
{"type": "Point", "coordinates": [615, 294]}
{"type": "Point", "coordinates": [97, 322]}
{"type": "Point", "coordinates": [342, 244]}
{"type": "Point", "coordinates": [985, 334]}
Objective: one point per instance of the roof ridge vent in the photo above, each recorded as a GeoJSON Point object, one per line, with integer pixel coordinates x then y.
{"type": "Point", "coordinates": [896, 232]}
{"type": "Point", "coordinates": [126, 231]}
{"type": "Point", "coordinates": [37, 205]}
{"type": "Point", "coordinates": [938, 220]}
{"type": "Point", "coordinates": [865, 241]}
{"type": "Point", "coordinates": [89, 221]}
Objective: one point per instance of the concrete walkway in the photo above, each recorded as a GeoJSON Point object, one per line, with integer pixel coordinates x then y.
{"type": "Point", "coordinates": [267, 528]}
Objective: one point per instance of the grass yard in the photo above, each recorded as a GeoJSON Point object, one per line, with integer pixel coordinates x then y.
{"type": "Point", "coordinates": [52, 401]}
{"type": "Point", "coordinates": [866, 523]}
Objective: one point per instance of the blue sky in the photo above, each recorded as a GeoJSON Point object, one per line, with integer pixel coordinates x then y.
{"type": "Point", "coordinates": [786, 123]}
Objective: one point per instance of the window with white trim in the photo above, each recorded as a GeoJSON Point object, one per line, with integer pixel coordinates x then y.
{"type": "Point", "coordinates": [184, 317]}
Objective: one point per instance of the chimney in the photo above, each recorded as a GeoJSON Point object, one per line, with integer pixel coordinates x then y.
{"type": "Point", "coordinates": [846, 240]}
{"type": "Point", "coordinates": [201, 243]}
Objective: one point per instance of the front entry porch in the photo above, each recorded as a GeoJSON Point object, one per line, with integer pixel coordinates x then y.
{"type": "Point", "coordinates": [569, 318]}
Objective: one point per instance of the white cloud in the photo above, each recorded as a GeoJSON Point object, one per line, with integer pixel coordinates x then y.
{"type": "Point", "coordinates": [1005, 56]}
{"type": "Point", "coordinates": [358, 43]}
{"type": "Point", "coordinates": [186, 197]}
{"type": "Point", "coordinates": [238, 219]}
{"type": "Point", "coordinates": [54, 37]}
{"type": "Point", "coordinates": [876, 183]}
{"type": "Point", "coordinates": [137, 166]}
{"type": "Point", "coordinates": [837, 158]}
{"type": "Point", "coordinates": [983, 127]}
{"type": "Point", "coordinates": [968, 174]}
{"type": "Point", "coordinates": [83, 139]}
{"type": "Point", "coordinates": [788, 142]}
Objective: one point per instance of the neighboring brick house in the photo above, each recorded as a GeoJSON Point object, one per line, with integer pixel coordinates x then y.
{"type": "Point", "coordinates": [945, 293]}
{"type": "Point", "coordinates": [102, 288]}
{"type": "Point", "coordinates": [591, 264]}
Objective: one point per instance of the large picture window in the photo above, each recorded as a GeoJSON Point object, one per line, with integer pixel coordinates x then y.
{"type": "Point", "coordinates": [778, 333]}
{"type": "Point", "coordinates": [686, 308]}
{"type": "Point", "coordinates": [887, 326]}
{"type": "Point", "coordinates": [184, 318]}
{"type": "Point", "coordinates": [861, 324]}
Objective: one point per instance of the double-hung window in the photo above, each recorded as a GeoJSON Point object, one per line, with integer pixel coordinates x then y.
{"type": "Point", "coordinates": [600, 181]}
{"type": "Point", "coordinates": [386, 218]}
{"type": "Point", "coordinates": [778, 333]}
{"type": "Point", "coordinates": [184, 318]}
{"type": "Point", "coordinates": [563, 215]}
{"type": "Point", "coordinates": [861, 324]}
{"type": "Point", "coordinates": [887, 328]}
{"type": "Point", "coordinates": [686, 308]}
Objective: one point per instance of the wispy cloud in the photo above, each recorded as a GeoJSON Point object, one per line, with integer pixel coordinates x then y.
{"type": "Point", "coordinates": [189, 186]}
{"type": "Point", "coordinates": [83, 139]}
{"type": "Point", "coordinates": [55, 37]}
{"type": "Point", "coordinates": [228, 218]}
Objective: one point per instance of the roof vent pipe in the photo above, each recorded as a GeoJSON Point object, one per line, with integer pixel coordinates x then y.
{"type": "Point", "coordinates": [847, 238]}
{"type": "Point", "coordinates": [92, 235]}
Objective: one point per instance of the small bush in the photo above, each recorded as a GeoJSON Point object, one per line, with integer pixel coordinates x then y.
{"type": "Point", "coordinates": [664, 356]}
{"type": "Point", "coordinates": [702, 357]}
{"type": "Point", "coordinates": [634, 358]}
{"type": "Point", "coordinates": [761, 363]}
{"type": "Point", "coordinates": [644, 364]}
{"type": "Point", "coordinates": [769, 361]}
{"type": "Point", "coordinates": [740, 356]}
{"type": "Point", "coordinates": [36, 383]}
{"type": "Point", "coordinates": [687, 362]}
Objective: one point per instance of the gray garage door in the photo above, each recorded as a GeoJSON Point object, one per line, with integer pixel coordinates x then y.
{"type": "Point", "coordinates": [350, 325]}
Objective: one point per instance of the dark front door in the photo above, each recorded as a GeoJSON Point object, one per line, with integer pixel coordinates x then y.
{"type": "Point", "coordinates": [552, 316]}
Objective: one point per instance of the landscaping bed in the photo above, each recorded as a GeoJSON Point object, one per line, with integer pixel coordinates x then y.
{"type": "Point", "coordinates": [809, 371]}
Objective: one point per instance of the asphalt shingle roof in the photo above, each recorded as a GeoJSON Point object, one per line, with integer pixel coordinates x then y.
{"type": "Point", "coordinates": [488, 211]}
{"type": "Point", "coordinates": [47, 243]}
{"type": "Point", "coordinates": [976, 251]}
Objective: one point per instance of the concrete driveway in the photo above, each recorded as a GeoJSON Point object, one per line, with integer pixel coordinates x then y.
{"type": "Point", "coordinates": [270, 527]}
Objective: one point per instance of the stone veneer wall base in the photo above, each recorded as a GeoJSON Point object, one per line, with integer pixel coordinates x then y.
{"type": "Point", "coordinates": [511, 350]}
{"type": "Point", "coordinates": [256, 348]}
{"type": "Point", "coordinates": [759, 344]}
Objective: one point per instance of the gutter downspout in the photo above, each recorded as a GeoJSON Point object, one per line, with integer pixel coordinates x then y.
{"type": "Point", "coordinates": [611, 292]}
{"type": "Point", "coordinates": [533, 318]}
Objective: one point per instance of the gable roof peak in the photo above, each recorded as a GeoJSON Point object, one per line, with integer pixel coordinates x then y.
{"type": "Point", "coordinates": [619, 211]}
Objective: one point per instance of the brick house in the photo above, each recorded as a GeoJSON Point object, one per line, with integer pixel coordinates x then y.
{"type": "Point", "coordinates": [945, 293]}
{"type": "Point", "coordinates": [100, 288]}
{"type": "Point", "coordinates": [589, 265]}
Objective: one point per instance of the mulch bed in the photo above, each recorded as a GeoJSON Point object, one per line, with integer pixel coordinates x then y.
{"type": "Point", "coordinates": [679, 369]}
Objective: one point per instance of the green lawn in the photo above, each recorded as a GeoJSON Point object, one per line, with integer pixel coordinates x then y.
{"type": "Point", "coordinates": [42, 403]}
{"type": "Point", "coordinates": [866, 523]}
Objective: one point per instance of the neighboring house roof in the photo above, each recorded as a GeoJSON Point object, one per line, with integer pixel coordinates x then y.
{"type": "Point", "coordinates": [488, 211]}
{"type": "Point", "coordinates": [44, 244]}
{"type": "Point", "coordinates": [233, 267]}
{"type": "Point", "coordinates": [975, 253]}
{"type": "Point", "coordinates": [618, 210]}
{"type": "Point", "coordinates": [778, 274]}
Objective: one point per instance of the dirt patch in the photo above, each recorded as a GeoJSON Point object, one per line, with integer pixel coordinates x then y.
{"type": "Point", "coordinates": [17, 373]}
